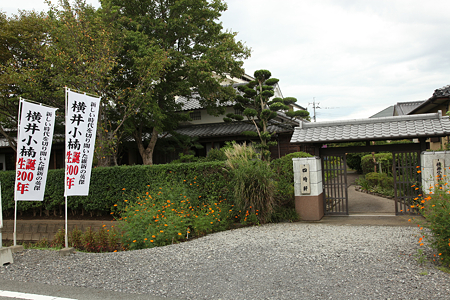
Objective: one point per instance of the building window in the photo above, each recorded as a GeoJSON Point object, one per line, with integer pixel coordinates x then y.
{"type": "Point", "coordinates": [196, 115]}
{"type": "Point", "coordinates": [238, 112]}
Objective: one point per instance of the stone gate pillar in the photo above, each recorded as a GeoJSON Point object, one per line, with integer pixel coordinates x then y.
{"type": "Point", "coordinates": [308, 188]}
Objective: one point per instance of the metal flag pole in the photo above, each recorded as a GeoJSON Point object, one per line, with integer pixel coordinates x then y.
{"type": "Point", "coordinates": [15, 189]}
{"type": "Point", "coordinates": [1, 217]}
{"type": "Point", "coordinates": [66, 238]}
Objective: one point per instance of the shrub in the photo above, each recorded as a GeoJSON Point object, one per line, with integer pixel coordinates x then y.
{"type": "Point", "coordinates": [254, 189]}
{"type": "Point", "coordinates": [216, 155]}
{"type": "Point", "coordinates": [254, 186]}
{"type": "Point", "coordinates": [161, 215]}
{"type": "Point", "coordinates": [379, 179]}
{"type": "Point", "coordinates": [354, 161]}
{"type": "Point", "coordinates": [385, 160]}
{"type": "Point", "coordinates": [59, 240]}
{"type": "Point", "coordinates": [436, 210]}
{"type": "Point", "coordinates": [107, 184]}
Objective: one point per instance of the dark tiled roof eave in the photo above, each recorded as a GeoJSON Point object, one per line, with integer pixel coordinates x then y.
{"type": "Point", "coordinates": [228, 129]}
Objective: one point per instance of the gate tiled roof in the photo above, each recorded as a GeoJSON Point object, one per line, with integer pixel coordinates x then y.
{"type": "Point", "coordinates": [387, 128]}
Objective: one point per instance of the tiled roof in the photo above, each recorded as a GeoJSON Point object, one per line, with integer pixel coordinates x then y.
{"type": "Point", "coordinates": [228, 129]}
{"type": "Point", "coordinates": [404, 108]}
{"type": "Point", "coordinates": [442, 92]}
{"type": "Point", "coordinates": [410, 126]}
{"type": "Point", "coordinates": [194, 102]}
{"type": "Point", "coordinates": [387, 112]}
{"type": "Point", "coordinates": [440, 97]}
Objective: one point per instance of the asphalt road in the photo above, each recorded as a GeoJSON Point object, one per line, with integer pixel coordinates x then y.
{"type": "Point", "coordinates": [78, 293]}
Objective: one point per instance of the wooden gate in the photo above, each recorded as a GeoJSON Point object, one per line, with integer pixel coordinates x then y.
{"type": "Point", "coordinates": [334, 170]}
{"type": "Point", "coordinates": [407, 181]}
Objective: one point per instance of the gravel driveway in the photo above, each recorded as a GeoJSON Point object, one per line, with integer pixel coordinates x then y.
{"type": "Point", "coordinates": [276, 261]}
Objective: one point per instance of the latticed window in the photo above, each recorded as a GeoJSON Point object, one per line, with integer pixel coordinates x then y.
{"type": "Point", "coordinates": [196, 115]}
{"type": "Point", "coordinates": [238, 112]}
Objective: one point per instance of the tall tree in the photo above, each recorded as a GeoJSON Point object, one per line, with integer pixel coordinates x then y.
{"type": "Point", "coordinates": [85, 43]}
{"type": "Point", "coordinates": [24, 71]}
{"type": "Point", "coordinates": [259, 108]}
{"type": "Point", "coordinates": [198, 55]}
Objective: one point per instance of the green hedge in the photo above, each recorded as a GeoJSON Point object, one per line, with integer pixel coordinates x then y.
{"type": "Point", "coordinates": [211, 179]}
{"type": "Point", "coordinates": [107, 185]}
{"type": "Point", "coordinates": [384, 158]}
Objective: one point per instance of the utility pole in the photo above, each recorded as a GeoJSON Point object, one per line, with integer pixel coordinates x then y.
{"type": "Point", "coordinates": [314, 107]}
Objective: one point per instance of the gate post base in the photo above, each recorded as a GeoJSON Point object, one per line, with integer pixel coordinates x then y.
{"type": "Point", "coordinates": [309, 208]}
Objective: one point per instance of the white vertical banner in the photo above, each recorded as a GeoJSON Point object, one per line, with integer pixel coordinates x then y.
{"type": "Point", "coordinates": [34, 143]}
{"type": "Point", "coordinates": [81, 127]}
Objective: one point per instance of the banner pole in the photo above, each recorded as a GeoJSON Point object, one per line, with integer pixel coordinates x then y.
{"type": "Point", "coordinates": [66, 238]}
{"type": "Point", "coordinates": [15, 188]}
{"type": "Point", "coordinates": [1, 217]}
{"type": "Point", "coordinates": [15, 222]}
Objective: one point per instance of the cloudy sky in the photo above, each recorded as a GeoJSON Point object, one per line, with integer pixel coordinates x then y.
{"type": "Point", "coordinates": [353, 57]}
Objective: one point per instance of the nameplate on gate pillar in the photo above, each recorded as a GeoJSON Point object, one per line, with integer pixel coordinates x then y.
{"type": "Point", "coordinates": [305, 180]}
{"type": "Point", "coordinates": [438, 170]}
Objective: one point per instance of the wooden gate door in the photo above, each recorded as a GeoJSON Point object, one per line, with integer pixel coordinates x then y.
{"type": "Point", "coordinates": [334, 170]}
{"type": "Point", "coordinates": [407, 181]}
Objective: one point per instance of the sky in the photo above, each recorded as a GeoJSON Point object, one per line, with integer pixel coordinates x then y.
{"type": "Point", "coordinates": [352, 58]}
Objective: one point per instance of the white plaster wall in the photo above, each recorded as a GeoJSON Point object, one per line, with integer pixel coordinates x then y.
{"type": "Point", "coordinates": [315, 175]}
{"type": "Point", "coordinates": [426, 161]}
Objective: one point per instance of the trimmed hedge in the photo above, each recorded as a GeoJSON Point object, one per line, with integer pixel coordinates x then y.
{"type": "Point", "coordinates": [212, 179]}
{"type": "Point", "coordinates": [384, 158]}
{"type": "Point", "coordinates": [108, 183]}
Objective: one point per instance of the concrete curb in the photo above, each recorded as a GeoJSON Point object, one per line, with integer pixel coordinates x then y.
{"type": "Point", "coordinates": [6, 256]}
{"type": "Point", "coordinates": [66, 251]}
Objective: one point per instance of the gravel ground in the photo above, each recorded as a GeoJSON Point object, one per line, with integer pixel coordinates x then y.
{"type": "Point", "coordinates": [276, 261]}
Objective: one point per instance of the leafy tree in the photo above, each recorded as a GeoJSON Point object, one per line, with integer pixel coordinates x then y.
{"type": "Point", "coordinates": [24, 71]}
{"type": "Point", "coordinates": [85, 44]}
{"type": "Point", "coordinates": [196, 56]}
{"type": "Point", "coordinates": [256, 103]}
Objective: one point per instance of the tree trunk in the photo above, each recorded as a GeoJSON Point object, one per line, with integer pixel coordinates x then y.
{"type": "Point", "coordinates": [146, 152]}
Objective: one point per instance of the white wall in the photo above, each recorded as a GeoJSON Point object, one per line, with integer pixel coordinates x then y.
{"type": "Point", "coordinates": [426, 161]}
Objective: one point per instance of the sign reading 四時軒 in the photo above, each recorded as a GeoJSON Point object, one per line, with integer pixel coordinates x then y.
{"type": "Point", "coordinates": [305, 180]}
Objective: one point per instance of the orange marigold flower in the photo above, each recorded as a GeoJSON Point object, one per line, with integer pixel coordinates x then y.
{"type": "Point", "coordinates": [179, 233]}
{"type": "Point", "coordinates": [419, 171]}
{"type": "Point", "coordinates": [413, 185]}
{"type": "Point", "coordinates": [421, 244]}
